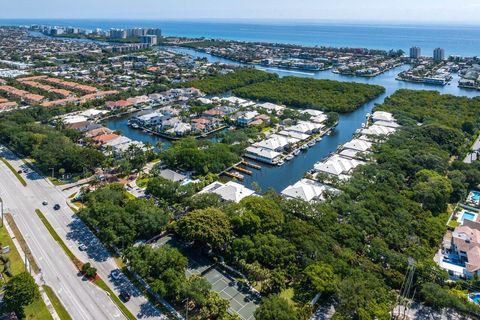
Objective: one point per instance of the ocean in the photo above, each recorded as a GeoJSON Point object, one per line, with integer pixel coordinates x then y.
{"type": "Point", "coordinates": [455, 39]}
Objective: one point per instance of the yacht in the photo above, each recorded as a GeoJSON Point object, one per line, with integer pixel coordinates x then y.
{"type": "Point", "coordinates": [280, 162]}
{"type": "Point", "coordinates": [289, 157]}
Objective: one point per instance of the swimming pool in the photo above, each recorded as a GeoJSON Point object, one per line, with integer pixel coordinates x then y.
{"type": "Point", "coordinates": [469, 216]}
{"type": "Point", "coordinates": [475, 197]}
{"type": "Point", "coordinates": [475, 297]}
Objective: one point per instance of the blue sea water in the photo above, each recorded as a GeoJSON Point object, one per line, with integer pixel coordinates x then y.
{"type": "Point", "coordinates": [455, 39]}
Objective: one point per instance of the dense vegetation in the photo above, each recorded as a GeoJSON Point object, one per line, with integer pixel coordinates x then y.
{"type": "Point", "coordinates": [50, 147]}
{"type": "Point", "coordinates": [200, 156]}
{"type": "Point", "coordinates": [324, 95]}
{"type": "Point", "coordinates": [120, 221]}
{"type": "Point", "coordinates": [230, 81]}
{"type": "Point", "coordinates": [354, 249]}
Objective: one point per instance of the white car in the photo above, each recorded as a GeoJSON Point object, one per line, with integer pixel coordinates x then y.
{"type": "Point", "coordinates": [116, 274]}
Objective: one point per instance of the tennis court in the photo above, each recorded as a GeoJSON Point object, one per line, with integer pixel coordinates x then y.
{"type": "Point", "coordinates": [242, 302]}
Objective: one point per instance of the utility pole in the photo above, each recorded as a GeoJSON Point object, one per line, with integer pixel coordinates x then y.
{"type": "Point", "coordinates": [53, 172]}
{"type": "Point", "coordinates": [1, 209]}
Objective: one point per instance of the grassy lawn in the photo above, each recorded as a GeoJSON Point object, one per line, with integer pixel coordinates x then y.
{"type": "Point", "coordinates": [57, 304]}
{"type": "Point", "coordinates": [37, 310]}
{"type": "Point", "coordinates": [142, 182]}
{"type": "Point", "coordinates": [56, 182]}
{"type": "Point", "coordinates": [19, 177]}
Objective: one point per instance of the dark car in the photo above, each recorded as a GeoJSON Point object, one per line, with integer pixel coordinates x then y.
{"type": "Point", "coordinates": [125, 295]}
{"type": "Point", "coordinates": [56, 207]}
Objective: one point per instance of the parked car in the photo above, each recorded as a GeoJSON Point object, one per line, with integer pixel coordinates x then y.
{"type": "Point", "coordinates": [45, 203]}
{"type": "Point", "coordinates": [125, 295]}
{"type": "Point", "coordinates": [56, 207]}
{"type": "Point", "coordinates": [116, 274]}
{"type": "Point", "coordinates": [82, 247]}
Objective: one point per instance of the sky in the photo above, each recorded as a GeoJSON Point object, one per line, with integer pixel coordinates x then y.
{"type": "Point", "coordinates": [408, 11]}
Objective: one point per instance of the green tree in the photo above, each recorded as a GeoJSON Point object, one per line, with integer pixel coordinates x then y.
{"type": "Point", "coordinates": [275, 308]}
{"type": "Point", "coordinates": [205, 227]}
{"type": "Point", "coordinates": [321, 278]}
{"type": "Point", "coordinates": [432, 190]}
{"type": "Point", "coordinates": [20, 291]}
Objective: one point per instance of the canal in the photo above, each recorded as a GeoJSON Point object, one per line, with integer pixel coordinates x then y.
{"type": "Point", "coordinates": [278, 178]}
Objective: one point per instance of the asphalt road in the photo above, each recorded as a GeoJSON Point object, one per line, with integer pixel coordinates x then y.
{"type": "Point", "coordinates": [82, 299]}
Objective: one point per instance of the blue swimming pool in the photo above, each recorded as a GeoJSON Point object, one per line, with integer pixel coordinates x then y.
{"type": "Point", "coordinates": [475, 298]}
{"type": "Point", "coordinates": [475, 196]}
{"type": "Point", "coordinates": [469, 216]}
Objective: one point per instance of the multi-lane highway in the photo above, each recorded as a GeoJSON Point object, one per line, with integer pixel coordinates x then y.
{"type": "Point", "coordinates": [82, 299]}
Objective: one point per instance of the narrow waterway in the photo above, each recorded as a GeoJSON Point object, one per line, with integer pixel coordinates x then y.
{"type": "Point", "coordinates": [279, 178]}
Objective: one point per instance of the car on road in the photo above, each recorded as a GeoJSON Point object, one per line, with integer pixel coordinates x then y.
{"type": "Point", "coordinates": [19, 171]}
{"type": "Point", "coordinates": [56, 207]}
{"type": "Point", "coordinates": [116, 274]}
{"type": "Point", "coordinates": [125, 295]}
{"type": "Point", "coordinates": [82, 247]}
{"type": "Point", "coordinates": [45, 203]}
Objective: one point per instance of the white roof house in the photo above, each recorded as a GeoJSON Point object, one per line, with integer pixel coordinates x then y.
{"type": "Point", "coordinates": [92, 113]}
{"type": "Point", "coordinates": [387, 124]}
{"type": "Point", "coordinates": [276, 142]}
{"type": "Point", "coordinates": [357, 144]}
{"type": "Point", "coordinates": [350, 153]}
{"type": "Point", "coordinates": [376, 130]}
{"type": "Point", "coordinates": [172, 175]}
{"type": "Point", "coordinates": [305, 127]}
{"type": "Point", "coordinates": [118, 141]}
{"type": "Point", "coordinates": [262, 154]}
{"type": "Point", "coordinates": [71, 119]}
{"type": "Point", "coordinates": [313, 113]}
{"type": "Point", "coordinates": [230, 191]}
{"type": "Point", "coordinates": [383, 116]}
{"type": "Point", "coordinates": [272, 107]}
{"type": "Point", "coordinates": [338, 165]}
{"type": "Point", "coordinates": [294, 134]}
{"type": "Point", "coordinates": [308, 190]}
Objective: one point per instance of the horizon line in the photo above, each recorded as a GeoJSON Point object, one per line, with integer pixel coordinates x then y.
{"type": "Point", "coordinates": [263, 21]}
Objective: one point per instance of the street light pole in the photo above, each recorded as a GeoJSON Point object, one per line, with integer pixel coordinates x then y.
{"type": "Point", "coordinates": [1, 209]}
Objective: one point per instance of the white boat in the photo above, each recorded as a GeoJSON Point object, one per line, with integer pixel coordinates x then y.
{"type": "Point", "coordinates": [318, 139]}
{"type": "Point", "coordinates": [311, 143]}
{"type": "Point", "coordinates": [289, 157]}
{"type": "Point", "coordinates": [280, 162]}
{"type": "Point", "coordinates": [296, 152]}
{"type": "Point", "coordinates": [304, 147]}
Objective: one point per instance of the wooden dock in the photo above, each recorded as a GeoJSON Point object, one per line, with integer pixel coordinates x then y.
{"type": "Point", "coordinates": [251, 165]}
{"type": "Point", "coordinates": [243, 170]}
{"type": "Point", "coordinates": [234, 175]}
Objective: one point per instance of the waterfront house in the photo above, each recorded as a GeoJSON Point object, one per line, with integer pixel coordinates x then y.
{"type": "Point", "coordinates": [230, 191]}
{"type": "Point", "coordinates": [383, 116]}
{"type": "Point", "coordinates": [263, 154]}
{"type": "Point", "coordinates": [104, 138]}
{"type": "Point", "coordinates": [149, 119]}
{"type": "Point", "coordinates": [276, 143]}
{"type": "Point", "coordinates": [377, 130]}
{"type": "Point", "coordinates": [359, 145]}
{"type": "Point", "coordinates": [305, 127]}
{"type": "Point", "coordinates": [338, 166]}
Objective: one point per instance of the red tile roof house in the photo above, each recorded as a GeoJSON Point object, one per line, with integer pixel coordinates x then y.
{"type": "Point", "coordinates": [104, 138]}
{"type": "Point", "coordinates": [118, 104]}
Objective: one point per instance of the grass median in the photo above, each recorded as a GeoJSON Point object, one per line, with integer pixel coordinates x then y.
{"type": "Point", "coordinates": [99, 282]}
{"type": "Point", "coordinates": [19, 177]}
{"type": "Point", "coordinates": [57, 304]}
{"type": "Point", "coordinates": [37, 310]}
